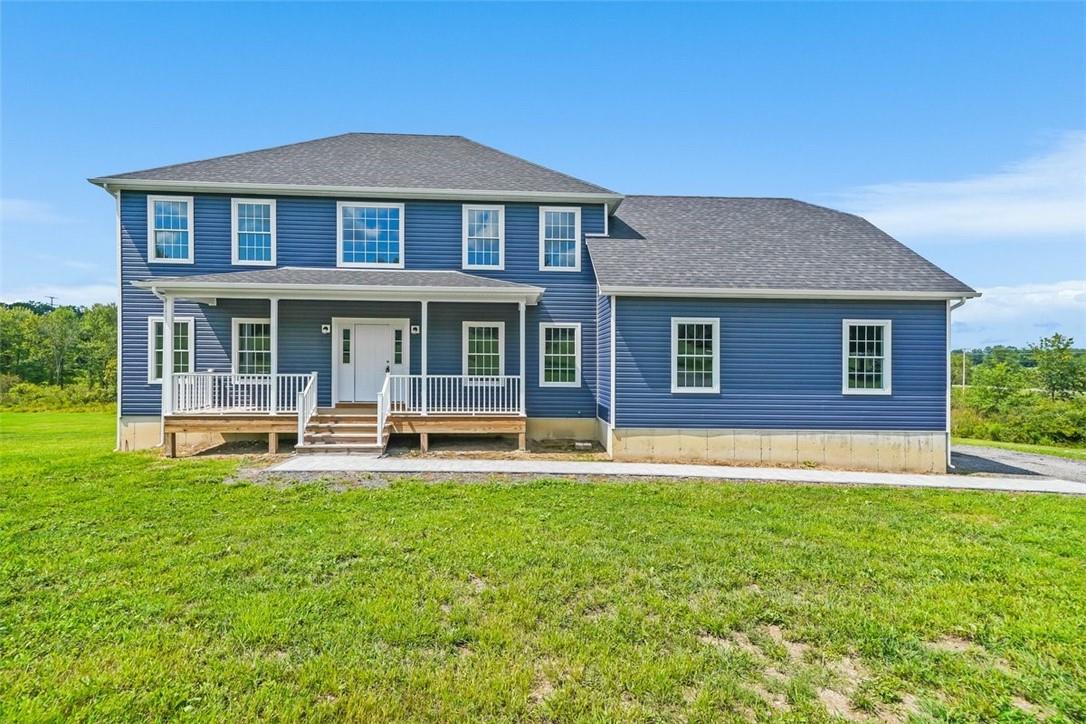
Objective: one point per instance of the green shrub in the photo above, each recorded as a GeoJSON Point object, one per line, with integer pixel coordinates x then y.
{"type": "Point", "coordinates": [30, 397]}
{"type": "Point", "coordinates": [1029, 418]}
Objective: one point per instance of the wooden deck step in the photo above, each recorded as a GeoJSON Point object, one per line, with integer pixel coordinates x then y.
{"type": "Point", "coordinates": [342, 429]}
{"type": "Point", "coordinates": [338, 448]}
{"type": "Point", "coordinates": [327, 437]}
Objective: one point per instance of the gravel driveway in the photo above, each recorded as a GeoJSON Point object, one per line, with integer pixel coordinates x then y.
{"type": "Point", "coordinates": [991, 460]}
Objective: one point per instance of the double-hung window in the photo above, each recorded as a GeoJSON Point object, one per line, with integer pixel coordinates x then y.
{"type": "Point", "coordinates": [252, 346]}
{"type": "Point", "coordinates": [865, 366]}
{"type": "Point", "coordinates": [369, 234]}
{"type": "Point", "coordinates": [184, 346]}
{"type": "Point", "coordinates": [559, 355]}
{"type": "Point", "coordinates": [559, 238]}
{"type": "Point", "coordinates": [484, 237]}
{"type": "Point", "coordinates": [252, 231]}
{"type": "Point", "coordinates": [169, 229]}
{"type": "Point", "coordinates": [484, 348]}
{"type": "Point", "coordinates": [695, 354]}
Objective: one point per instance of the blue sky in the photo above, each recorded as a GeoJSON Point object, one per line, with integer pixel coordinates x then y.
{"type": "Point", "coordinates": [959, 128]}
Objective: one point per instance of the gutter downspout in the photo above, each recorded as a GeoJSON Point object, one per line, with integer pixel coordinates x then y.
{"type": "Point", "coordinates": [950, 307]}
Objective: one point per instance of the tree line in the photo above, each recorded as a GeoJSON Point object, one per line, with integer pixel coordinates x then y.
{"type": "Point", "coordinates": [72, 349]}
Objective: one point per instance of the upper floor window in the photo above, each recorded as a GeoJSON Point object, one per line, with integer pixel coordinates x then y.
{"type": "Point", "coordinates": [695, 354]}
{"type": "Point", "coordinates": [559, 238]}
{"type": "Point", "coordinates": [370, 234]}
{"type": "Point", "coordinates": [252, 224]}
{"type": "Point", "coordinates": [184, 344]}
{"type": "Point", "coordinates": [866, 357]}
{"type": "Point", "coordinates": [559, 355]}
{"type": "Point", "coordinates": [252, 346]}
{"type": "Point", "coordinates": [169, 229]}
{"type": "Point", "coordinates": [484, 348]}
{"type": "Point", "coordinates": [484, 237]}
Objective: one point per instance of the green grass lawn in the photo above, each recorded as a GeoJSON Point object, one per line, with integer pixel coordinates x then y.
{"type": "Point", "coordinates": [133, 587]}
{"type": "Point", "coordinates": [1071, 453]}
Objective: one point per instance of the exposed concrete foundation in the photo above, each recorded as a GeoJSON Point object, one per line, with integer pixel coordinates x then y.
{"type": "Point", "coordinates": [893, 451]}
{"type": "Point", "coordinates": [562, 428]}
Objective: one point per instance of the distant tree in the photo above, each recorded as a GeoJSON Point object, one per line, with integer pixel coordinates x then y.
{"type": "Point", "coordinates": [998, 385]}
{"type": "Point", "coordinates": [1059, 372]}
{"type": "Point", "coordinates": [19, 342]}
{"type": "Point", "coordinates": [59, 338]}
{"type": "Point", "coordinates": [98, 345]}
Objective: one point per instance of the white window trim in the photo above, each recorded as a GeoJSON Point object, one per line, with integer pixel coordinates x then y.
{"type": "Point", "coordinates": [151, 322]}
{"type": "Point", "coordinates": [234, 324]}
{"type": "Point", "coordinates": [464, 345]}
{"type": "Point", "coordinates": [152, 258]}
{"type": "Point", "coordinates": [887, 358]}
{"type": "Point", "coordinates": [340, 205]}
{"type": "Point", "coordinates": [715, 387]}
{"type": "Point", "coordinates": [234, 251]}
{"type": "Point", "coordinates": [500, 266]}
{"type": "Point", "coordinates": [542, 240]}
{"type": "Point", "coordinates": [576, 350]}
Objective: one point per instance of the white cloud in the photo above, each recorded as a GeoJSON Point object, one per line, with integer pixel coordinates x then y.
{"type": "Point", "coordinates": [75, 294]}
{"type": "Point", "coordinates": [1022, 314]}
{"type": "Point", "coordinates": [1044, 196]}
{"type": "Point", "coordinates": [29, 212]}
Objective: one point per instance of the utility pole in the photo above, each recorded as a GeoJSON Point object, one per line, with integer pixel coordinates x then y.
{"type": "Point", "coordinates": [52, 301]}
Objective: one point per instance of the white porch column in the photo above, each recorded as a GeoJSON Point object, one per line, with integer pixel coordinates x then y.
{"type": "Point", "coordinates": [523, 379]}
{"type": "Point", "coordinates": [167, 361]}
{"type": "Point", "coordinates": [425, 331]}
{"type": "Point", "coordinates": [273, 398]}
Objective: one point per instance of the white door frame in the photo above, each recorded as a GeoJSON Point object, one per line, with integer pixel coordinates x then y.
{"type": "Point", "coordinates": [338, 323]}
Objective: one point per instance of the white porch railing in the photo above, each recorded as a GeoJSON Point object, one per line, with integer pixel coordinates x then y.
{"type": "Point", "coordinates": [454, 394]}
{"type": "Point", "coordinates": [228, 393]}
{"type": "Point", "coordinates": [384, 398]}
{"type": "Point", "coordinates": [307, 405]}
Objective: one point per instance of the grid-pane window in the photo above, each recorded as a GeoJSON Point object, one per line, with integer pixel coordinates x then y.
{"type": "Point", "coordinates": [371, 235]}
{"type": "Point", "coordinates": [182, 347]}
{"type": "Point", "coordinates": [695, 354]}
{"type": "Point", "coordinates": [255, 225]}
{"type": "Point", "coordinates": [397, 347]}
{"type": "Point", "coordinates": [253, 340]}
{"type": "Point", "coordinates": [483, 352]}
{"type": "Point", "coordinates": [170, 232]}
{"type": "Point", "coordinates": [560, 242]}
{"type": "Point", "coordinates": [345, 351]}
{"type": "Point", "coordinates": [560, 345]}
{"type": "Point", "coordinates": [866, 356]}
{"type": "Point", "coordinates": [483, 237]}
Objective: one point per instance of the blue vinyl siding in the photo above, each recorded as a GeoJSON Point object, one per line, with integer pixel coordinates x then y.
{"type": "Point", "coordinates": [780, 366]}
{"type": "Point", "coordinates": [603, 357]}
{"type": "Point", "coordinates": [306, 236]}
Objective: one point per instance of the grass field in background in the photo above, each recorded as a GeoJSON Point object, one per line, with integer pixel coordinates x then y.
{"type": "Point", "coordinates": [1071, 453]}
{"type": "Point", "coordinates": [133, 587]}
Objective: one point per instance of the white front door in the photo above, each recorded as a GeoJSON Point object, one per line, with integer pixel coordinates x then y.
{"type": "Point", "coordinates": [365, 355]}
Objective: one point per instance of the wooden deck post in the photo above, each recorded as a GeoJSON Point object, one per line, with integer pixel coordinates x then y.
{"type": "Point", "coordinates": [273, 443]}
{"type": "Point", "coordinates": [522, 441]}
{"type": "Point", "coordinates": [424, 441]}
{"type": "Point", "coordinates": [170, 446]}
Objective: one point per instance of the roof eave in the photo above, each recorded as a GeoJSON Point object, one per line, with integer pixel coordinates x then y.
{"type": "Point", "coordinates": [263, 290]}
{"type": "Point", "coordinates": [752, 293]}
{"type": "Point", "coordinates": [378, 192]}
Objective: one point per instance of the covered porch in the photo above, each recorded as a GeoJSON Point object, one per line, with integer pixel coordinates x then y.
{"type": "Point", "coordinates": [387, 351]}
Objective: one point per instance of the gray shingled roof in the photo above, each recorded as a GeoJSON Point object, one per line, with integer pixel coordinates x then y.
{"type": "Point", "coordinates": [756, 244]}
{"type": "Point", "coordinates": [375, 160]}
{"type": "Point", "coordinates": [327, 277]}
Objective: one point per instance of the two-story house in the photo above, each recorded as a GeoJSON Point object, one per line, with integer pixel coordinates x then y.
{"type": "Point", "coordinates": [348, 288]}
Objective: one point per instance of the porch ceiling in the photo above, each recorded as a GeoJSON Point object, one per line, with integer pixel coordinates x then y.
{"type": "Point", "coordinates": [339, 283]}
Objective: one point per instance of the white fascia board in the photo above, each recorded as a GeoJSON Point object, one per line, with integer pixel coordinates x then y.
{"type": "Point", "coordinates": [374, 192]}
{"type": "Point", "coordinates": [207, 290]}
{"type": "Point", "coordinates": [713, 293]}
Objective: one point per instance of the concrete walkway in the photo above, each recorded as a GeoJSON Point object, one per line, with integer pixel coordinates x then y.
{"type": "Point", "coordinates": [367, 464]}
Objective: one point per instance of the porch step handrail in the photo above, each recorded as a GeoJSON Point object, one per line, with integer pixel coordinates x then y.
{"type": "Point", "coordinates": [210, 393]}
{"type": "Point", "coordinates": [455, 394]}
{"type": "Point", "coordinates": [383, 400]}
{"type": "Point", "coordinates": [307, 405]}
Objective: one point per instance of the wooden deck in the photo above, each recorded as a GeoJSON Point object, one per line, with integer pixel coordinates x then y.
{"type": "Point", "coordinates": [275, 425]}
